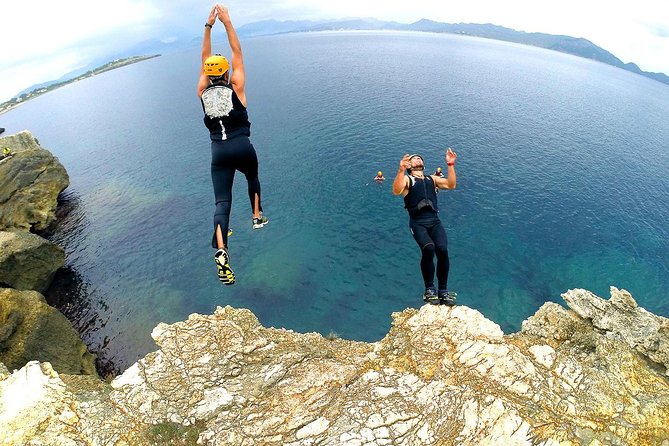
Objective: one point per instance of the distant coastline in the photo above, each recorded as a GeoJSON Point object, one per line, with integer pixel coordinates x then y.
{"type": "Point", "coordinates": [565, 44]}
{"type": "Point", "coordinates": [118, 63]}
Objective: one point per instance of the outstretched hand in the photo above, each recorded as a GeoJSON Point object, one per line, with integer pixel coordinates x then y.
{"type": "Point", "coordinates": [212, 16]}
{"type": "Point", "coordinates": [405, 163]}
{"type": "Point", "coordinates": [223, 14]}
{"type": "Point", "coordinates": [451, 156]}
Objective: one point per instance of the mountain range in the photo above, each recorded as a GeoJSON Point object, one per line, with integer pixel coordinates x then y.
{"type": "Point", "coordinates": [565, 44]}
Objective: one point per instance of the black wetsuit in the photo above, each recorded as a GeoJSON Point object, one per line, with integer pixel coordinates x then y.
{"type": "Point", "coordinates": [427, 230]}
{"type": "Point", "coordinates": [229, 128]}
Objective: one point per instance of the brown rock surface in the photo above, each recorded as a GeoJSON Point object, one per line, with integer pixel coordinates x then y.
{"type": "Point", "coordinates": [30, 182]}
{"type": "Point", "coordinates": [32, 330]}
{"type": "Point", "coordinates": [28, 261]}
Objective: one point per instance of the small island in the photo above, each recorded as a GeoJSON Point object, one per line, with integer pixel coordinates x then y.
{"type": "Point", "coordinates": [118, 63]}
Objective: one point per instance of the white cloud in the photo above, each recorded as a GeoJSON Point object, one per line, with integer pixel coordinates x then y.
{"type": "Point", "coordinates": [41, 27]}
{"type": "Point", "coordinates": [45, 40]}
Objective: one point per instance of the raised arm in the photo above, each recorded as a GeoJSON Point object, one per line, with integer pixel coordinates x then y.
{"type": "Point", "coordinates": [237, 79]}
{"type": "Point", "coordinates": [450, 181]}
{"type": "Point", "coordinates": [401, 182]}
{"type": "Point", "coordinates": [206, 51]}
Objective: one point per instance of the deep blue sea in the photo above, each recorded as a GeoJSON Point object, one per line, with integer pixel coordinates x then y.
{"type": "Point", "coordinates": [562, 183]}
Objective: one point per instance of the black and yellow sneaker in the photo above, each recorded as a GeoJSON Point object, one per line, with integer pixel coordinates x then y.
{"type": "Point", "coordinates": [225, 273]}
{"type": "Point", "coordinates": [430, 296]}
{"type": "Point", "coordinates": [447, 297]}
{"type": "Point", "coordinates": [260, 222]}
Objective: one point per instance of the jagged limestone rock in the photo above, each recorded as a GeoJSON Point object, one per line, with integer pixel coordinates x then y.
{"type": "Point", "coordinates": [442, 376]}
{"type": "Point", "coordinates": [30, 183]}
{"type": "Point", "coordinates": [32, 330]}
{"type": "Point", "coordinates": [622, 319]}
{"type": "Point", "coordinates": [28, 261]}
{"type": "Point", "coordinates": [27, 403]}
{"type": "Point", "coordinates": [38, 406]}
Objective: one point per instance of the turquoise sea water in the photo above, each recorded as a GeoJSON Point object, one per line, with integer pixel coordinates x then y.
{"type": "Point", "coordinates": [562, 183]}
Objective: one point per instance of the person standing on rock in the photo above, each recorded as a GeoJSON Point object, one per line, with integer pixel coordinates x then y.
{"type": "Point", "coordinates": [420, 200]}
{"type": "Point", "coordinates": [224, 105]}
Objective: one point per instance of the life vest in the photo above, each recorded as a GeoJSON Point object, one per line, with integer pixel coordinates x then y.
{"type": "Point", "coordinates": [224, 114]}
{"type": "Point", "coordinates": [422, 196]}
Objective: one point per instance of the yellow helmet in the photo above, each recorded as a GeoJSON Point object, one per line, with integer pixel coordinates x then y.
{"type": "Point", "coordinates": [216, 65]}
{"type": "Point", "coordinates": [379, 174]}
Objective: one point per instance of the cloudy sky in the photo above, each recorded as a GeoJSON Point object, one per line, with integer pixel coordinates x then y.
{"type": "Point", "coordinates": [43, 40]}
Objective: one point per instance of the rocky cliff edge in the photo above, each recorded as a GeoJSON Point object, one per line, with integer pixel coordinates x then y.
{"type": "Point", "coordinates": [595, 374]}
